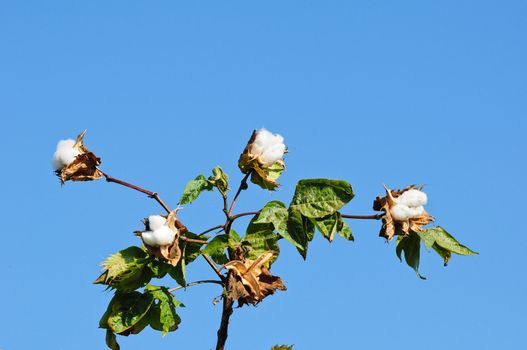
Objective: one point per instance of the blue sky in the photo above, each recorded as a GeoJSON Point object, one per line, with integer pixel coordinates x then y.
{"type": "Point", "coordinates": [372, 92]}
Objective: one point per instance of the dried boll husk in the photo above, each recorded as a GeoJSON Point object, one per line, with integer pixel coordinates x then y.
{"type": "Point", "coordinates": [250, 281]}
{"type": "Point", "coordinates": [170, 252]}
{"type": "Point", "coordinates": [390, 226]}
{"type": "Point", "coordinates": [83, 167]}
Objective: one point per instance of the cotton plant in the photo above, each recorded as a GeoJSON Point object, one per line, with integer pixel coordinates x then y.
{"type": "Point", "coordinates": [241, 263]}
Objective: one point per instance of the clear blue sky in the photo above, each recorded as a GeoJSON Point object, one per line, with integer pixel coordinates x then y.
{"type": "Point", "coordinates": [374, 92]}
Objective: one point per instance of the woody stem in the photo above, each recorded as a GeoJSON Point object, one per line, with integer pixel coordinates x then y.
{"type": "Point", "coordinates": [366, 217]}
{"type": "Point", "coordinates": [150, 194]}
{"type": "Point", "coordinates": [194, 284]}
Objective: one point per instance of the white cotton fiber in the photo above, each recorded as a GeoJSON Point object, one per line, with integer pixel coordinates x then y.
{"type": "Point", "coordinates": [400, 212]}
{"type": "Point", "coordinates": [164, 235]}
{"type": "Point", "coordinates": [268, 147]}
{"type": "Point", "coordinates": [156, 221]}
{"type": "Point", "coordinates": [149, 238]}
{"type": "Point", "coordinates": [65, 154]}
{"type": "Point", "coordinates": [416, 211]}
{"type": "Point", "coordinates": [413, 198]}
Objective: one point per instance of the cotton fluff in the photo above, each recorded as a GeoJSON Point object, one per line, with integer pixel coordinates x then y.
{"type": "Point", "coordinates": [413, 198]}
{"type": "Point", "coordinates": [268, 147]}
{"type": "Point", "coordinates": [156, 221]}
{"type": "Point", "coordinates": [65, 154]}
{"type": "Point", "coordinates": [159, 234]}
{"type": "Point", "coordinates": [409, 205]}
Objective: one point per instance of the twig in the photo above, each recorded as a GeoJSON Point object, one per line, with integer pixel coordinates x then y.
{"type": "Point", "coordinates": [192, 240]}
{"type": "Point", "coordinates": [212, 229]}
{"type": "Point", "coordinates": [243, 186]}
{"type": "Point", "coordinates": [194, 284]}
{"type": "Point", "coordinates": [150, 194]}
{"type": "Point", "coordinates": [213, 265]}
{"type": "Point", "coordinates": [366, 217]}
{"type": "Point", "coordinates": [234, 217]}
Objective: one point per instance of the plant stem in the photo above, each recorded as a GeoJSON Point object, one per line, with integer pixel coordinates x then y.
{"type": "Point", "coordinates": [234, 217]}
{"type": "Point", "coordinates": [243, 186]}
{"type": "Point", "coordinates": [150, 194]}
{"type": "Point", "coordinates": [192, 240]}
{"type": "Point", "coordinates": [224, 325]}
{"type": "Point", "coordinates": [366, 217]}
{"type": "Point", "coordinates": [213, 265]}
{"type": "Point", "coordinates": [212, 229]}
{"type": "Point", "coordinates": [194, 284]}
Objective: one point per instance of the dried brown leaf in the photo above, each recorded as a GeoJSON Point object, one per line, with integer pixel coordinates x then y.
{"type": "Point", "coordinates": [251, 281]}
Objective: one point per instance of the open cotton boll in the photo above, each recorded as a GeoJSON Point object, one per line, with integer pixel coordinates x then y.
{"type": "Point", "coordinates": [156, 221]}
{"type": "Point", "coordinates": [413, 198]}
{"type": "Point", "coordinates": [401, 212]}
{"type": "Point", "coordinates": [65, 154]}
{"type": "Point", "coordinates": [164, 235]}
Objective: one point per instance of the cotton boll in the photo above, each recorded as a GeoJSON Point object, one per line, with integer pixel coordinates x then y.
{"type": "Point", "coordinates": [164, 235]}
{"type": "Point", "coordinates": [149, 238]}
{"type": "Point", "coordinates": [400, 212]}
{"type": "Point", "coordinates": [156, 221]}
{"type": "Point", "coordinates": [65, 154]}
{"type": "Point", "coordinates": [413, 198]}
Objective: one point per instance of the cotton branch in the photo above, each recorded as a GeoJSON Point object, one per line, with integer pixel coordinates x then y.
{"type": "Point", "coordinates": [194, 284]}
{"type": "Point", "coordinates": [150, 194]}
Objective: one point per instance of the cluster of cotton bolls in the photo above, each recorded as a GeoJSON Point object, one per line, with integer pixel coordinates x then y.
{"type": "Point", "coordinates": [268, 148]}
{"type": "Point", "coordinates": [65, 154]}
{"type": "Point", "coordinates": [159, 234]}
{"type": "Point", "coordinates": [409, 205]}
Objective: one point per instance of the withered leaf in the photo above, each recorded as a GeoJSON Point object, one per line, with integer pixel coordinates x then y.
{"type": "Point", "coordinates": [251, 281]}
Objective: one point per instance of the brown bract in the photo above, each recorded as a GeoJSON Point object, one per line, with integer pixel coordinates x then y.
{"type": "Point", "coordinates": [264, 176]}
{"type": "Point", "coordinates": [170, 252]}
{"type": "Point", "coordinates": [391, 227]}
{"type": "Point", "coordinates": [250, 281]}
{"type": "Point", "coordinates": [84, 167]}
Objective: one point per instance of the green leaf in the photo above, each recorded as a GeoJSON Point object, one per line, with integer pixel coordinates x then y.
{"type": "Point", "coordinates": [234, 239]}
{"type": "Point", "coordinates": [442, 238]}
{"type": "Point", "coordinates": [282, 347]}
{"type": "Point", "coordinates": [261, 238]}
{"type": "Point", "coordinates": [318, 198]}
{"type": "Point", "coordinates": [327, 226]}
{"type": "Point", "coordinates": [111, 340]}
{"type": "Point", "coordinates": [178, 272]}
{"type": "Point", "coordinates": [159, 268]}
{"type": "Point", "coordinates": [443, 243]}
{"type": "Point", "coordinates": [125, 310]}
{"type": "Point", "coordinates": [216, 249]}
{"type": "Point", "coordinates": [163, 316]}
{"type": "Point", "coordinates": [276, 213]}
{"type": "Point", "coordinates": [444, 253]}
{"type": "Point", "coordinates": [194, 188]}
{"type": "Point", "coordinates": [126, 270]}
{"type": "Point", "coordinates": [220, 180]}
{"type": "Point", "coordinates": [344, 230]}
{"type": "Point", "coordinates": [299, 230]}
{"type": "Point", "coordinates": [410, 245]}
